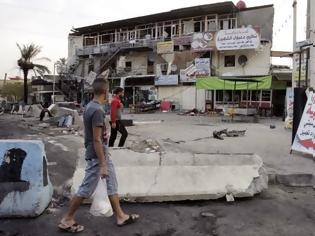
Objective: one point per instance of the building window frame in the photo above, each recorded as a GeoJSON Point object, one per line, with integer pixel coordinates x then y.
{"type": "Point", "coordinates": [229, 61]}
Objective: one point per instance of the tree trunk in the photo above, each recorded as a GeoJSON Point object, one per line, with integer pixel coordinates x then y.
{"type": "Point", "coordinates": [25, 72]}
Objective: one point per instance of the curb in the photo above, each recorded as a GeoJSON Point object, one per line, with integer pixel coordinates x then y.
{"type": "Point", "coordinates": [292, 180]}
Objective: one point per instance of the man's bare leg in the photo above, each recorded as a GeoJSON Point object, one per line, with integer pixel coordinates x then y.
{"type": "Point", "coordinates": [121, 217]}
{"type": "Point", "coordinates": [68, 218]}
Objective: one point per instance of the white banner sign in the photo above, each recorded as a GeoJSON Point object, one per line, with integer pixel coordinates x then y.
{"type": "Point", "coordinates": [235, 39]}
{"type": "Point", "coordinates": [305, 137]}
{"type": "Point", "coordinates": [203, 67]}
{"type": "Point", "coordinates": [166, 80]}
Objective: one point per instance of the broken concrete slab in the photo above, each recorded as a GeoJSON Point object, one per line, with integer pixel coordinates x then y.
{"type": "Point", "coordinates": [25, 188]}
{"type": "Point", "coordinates": [157, 177]}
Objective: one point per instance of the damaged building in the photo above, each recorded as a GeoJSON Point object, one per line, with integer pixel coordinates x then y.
{"type": "Point", "coordinates": [163, 56]}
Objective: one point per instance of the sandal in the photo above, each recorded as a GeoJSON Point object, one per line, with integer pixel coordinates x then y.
{"type": "Point", "coordinates": [132, 219]}
{"type": "Point", "coordinates": [75, 228]}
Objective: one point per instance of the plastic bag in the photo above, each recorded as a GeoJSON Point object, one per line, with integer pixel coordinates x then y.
{"type": "Point", "coordinates": [101, 205]}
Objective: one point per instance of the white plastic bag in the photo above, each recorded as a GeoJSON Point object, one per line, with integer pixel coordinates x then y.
{"type": "Point", "coordinates": [101, 205]}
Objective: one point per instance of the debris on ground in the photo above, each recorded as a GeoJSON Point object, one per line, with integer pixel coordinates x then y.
{"type": "Point", "coordinates": [192, 112]}
{"type": "Point", "coordinates": [272, 126]}
{"type": "Point", "coordinates": [145, 146]}
{"type": "Point", "coordinates": [168, 140]}
{"type": "Point", "coordinates": [44, 125]}
{"type": "Point", "coordinates": [229, 198]}
{"type": "Point", "coordinates": [232, 133]}
{"type": "Point", "coordinates": [207, 214]}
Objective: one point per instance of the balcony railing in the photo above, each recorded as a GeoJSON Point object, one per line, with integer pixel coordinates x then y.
{"type": "Point", "coordinates": [112, 47]}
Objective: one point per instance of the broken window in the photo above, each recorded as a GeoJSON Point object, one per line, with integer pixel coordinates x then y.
{"type": "Point", "coordinates": [91, 66]}
{"type": "Point", "coordinates": [164, 68]}
{"type": "Point", "coordinates": [128, 66]}
{"type": "Point", "coordinates": [90, 40]}
{"type": "Point", "coordinates": [229, 61]}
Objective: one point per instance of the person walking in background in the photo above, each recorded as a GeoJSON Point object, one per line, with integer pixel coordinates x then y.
{"type": "Point", "coordinates": [116, 124]}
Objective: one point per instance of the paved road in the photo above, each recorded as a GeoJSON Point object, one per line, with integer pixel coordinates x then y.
{"type": "Point", "coordinates": [276, 212]}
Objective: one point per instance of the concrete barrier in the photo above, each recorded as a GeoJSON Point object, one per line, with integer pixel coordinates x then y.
{"type": "Point", "coordinates": [25, 188]}
{"type": "Point", "coordinates": [33, 110]}
{"type": "Point", "coordinates": [78, 120]}
{"type": "Point", "coordinates": [174, 176]}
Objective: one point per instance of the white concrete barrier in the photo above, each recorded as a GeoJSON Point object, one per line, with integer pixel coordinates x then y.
{"type": "Point", "coordinates": [184, 176]}
{"type": "Point", "coordinates": [25, 188]}
{"type": "Point", "coordinates": [33, 110]}
{"type": "Point", "coordinates": [78, 120]}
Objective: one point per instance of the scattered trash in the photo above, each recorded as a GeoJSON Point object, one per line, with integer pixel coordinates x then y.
{"type": "Point", "coordinates": [232, 133]}
{"type": "Point", "coordinates": [192, 112]}
{"type": "Point", "coordinates": [272, 126]}
{"type": "Point", "coordinates": [44, 125]}
{"type": "Point", "coordinates": [207, 214]}
{"type": "Point", "coordinates": [145, 146]}
{"type": "Point", "coordinates": [168, 140]}
{"type": "Point", "coordinates": [229, 197]}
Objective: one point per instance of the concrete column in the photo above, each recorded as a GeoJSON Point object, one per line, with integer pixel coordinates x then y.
{"type": "Point", "coordinates": [180, 28]}
{"type": "Point", "coordinates": [206, 24]}
{"type": "Point", "coordinates": [156, 31]}
{"type": "Point", "coordinates": [116, 38]}
{"type": "Point", "coordinates": [312, 40]}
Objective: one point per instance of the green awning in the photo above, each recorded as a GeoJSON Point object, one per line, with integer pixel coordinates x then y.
{"type": "Point", "coordinates": [217, 83]}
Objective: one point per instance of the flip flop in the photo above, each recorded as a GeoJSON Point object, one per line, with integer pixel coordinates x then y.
{"type": "Point", "coordinates": [132, 219]}
{"type": "Point", "coordinates": [75, 228]}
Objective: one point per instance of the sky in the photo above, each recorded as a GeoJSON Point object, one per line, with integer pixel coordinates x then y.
{"type": "Point", "coordinates": [48, 22]}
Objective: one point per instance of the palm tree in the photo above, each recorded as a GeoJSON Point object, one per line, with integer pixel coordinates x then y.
{"type": "Point", "coordinates": [28, 55]}
{"type": "Point", "coordinates": [61, 65]}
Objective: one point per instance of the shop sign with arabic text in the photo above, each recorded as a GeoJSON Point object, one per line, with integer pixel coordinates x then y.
{"type": "Point", "coordinates": [235, 39]}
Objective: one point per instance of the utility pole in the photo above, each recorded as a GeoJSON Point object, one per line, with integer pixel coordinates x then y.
{"type": "Point", "coordinates": [311, 37]}
{"type": "Point", "coordinates": [294, 37]}
{"type": "Point", "coordinates": [5, 78]}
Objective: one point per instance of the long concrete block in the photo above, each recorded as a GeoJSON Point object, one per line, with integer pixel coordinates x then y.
{"type": "Point", "coordinates": [177, 176]}
{"type": "Point", "coordinates": [25, 187]}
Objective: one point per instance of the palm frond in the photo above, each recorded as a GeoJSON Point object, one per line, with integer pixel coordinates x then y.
{"type": "Point", "coordinates": [42, 59]}
{"type": "Point", "coordinates": [41, 68]}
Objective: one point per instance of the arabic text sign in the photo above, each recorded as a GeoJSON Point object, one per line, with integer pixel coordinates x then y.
{"type": "Point", "coordinates": [165, 47]}
{"type": "Point", "coordinates": [305, 137]}
{"type": "Point", "coordinates": [202, 66]}
{"type": "Point", "coordinates": [167, 80]}
{"type": "Point", "coordinates": [296, 66]}
{"type": "Point", "coordinates": [289, 103]}
{"type": "Point", "coordinates": [234, 39]}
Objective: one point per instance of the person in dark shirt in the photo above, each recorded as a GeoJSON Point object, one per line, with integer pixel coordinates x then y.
{"type": "Point", "coordinates": [44, 111]}
{"type": "Point", "coordinates": [99, 164]}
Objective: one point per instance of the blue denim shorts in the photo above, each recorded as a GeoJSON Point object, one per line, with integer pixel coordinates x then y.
{"type": "Point", "coordinates": [92, 177]}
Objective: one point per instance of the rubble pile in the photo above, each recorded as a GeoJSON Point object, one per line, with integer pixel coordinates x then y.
{"type": "Point", "coordinates": [145, 146]}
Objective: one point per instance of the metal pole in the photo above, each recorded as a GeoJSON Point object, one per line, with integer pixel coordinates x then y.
{"type": "Point", "coordinates": [294, 34]}
{"type": "Point", "coordinates": [306, 69]}
{"type": "Point", "coordinates": [53, 100]}
{"type": "Point", "coordinates": [300, 64]}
